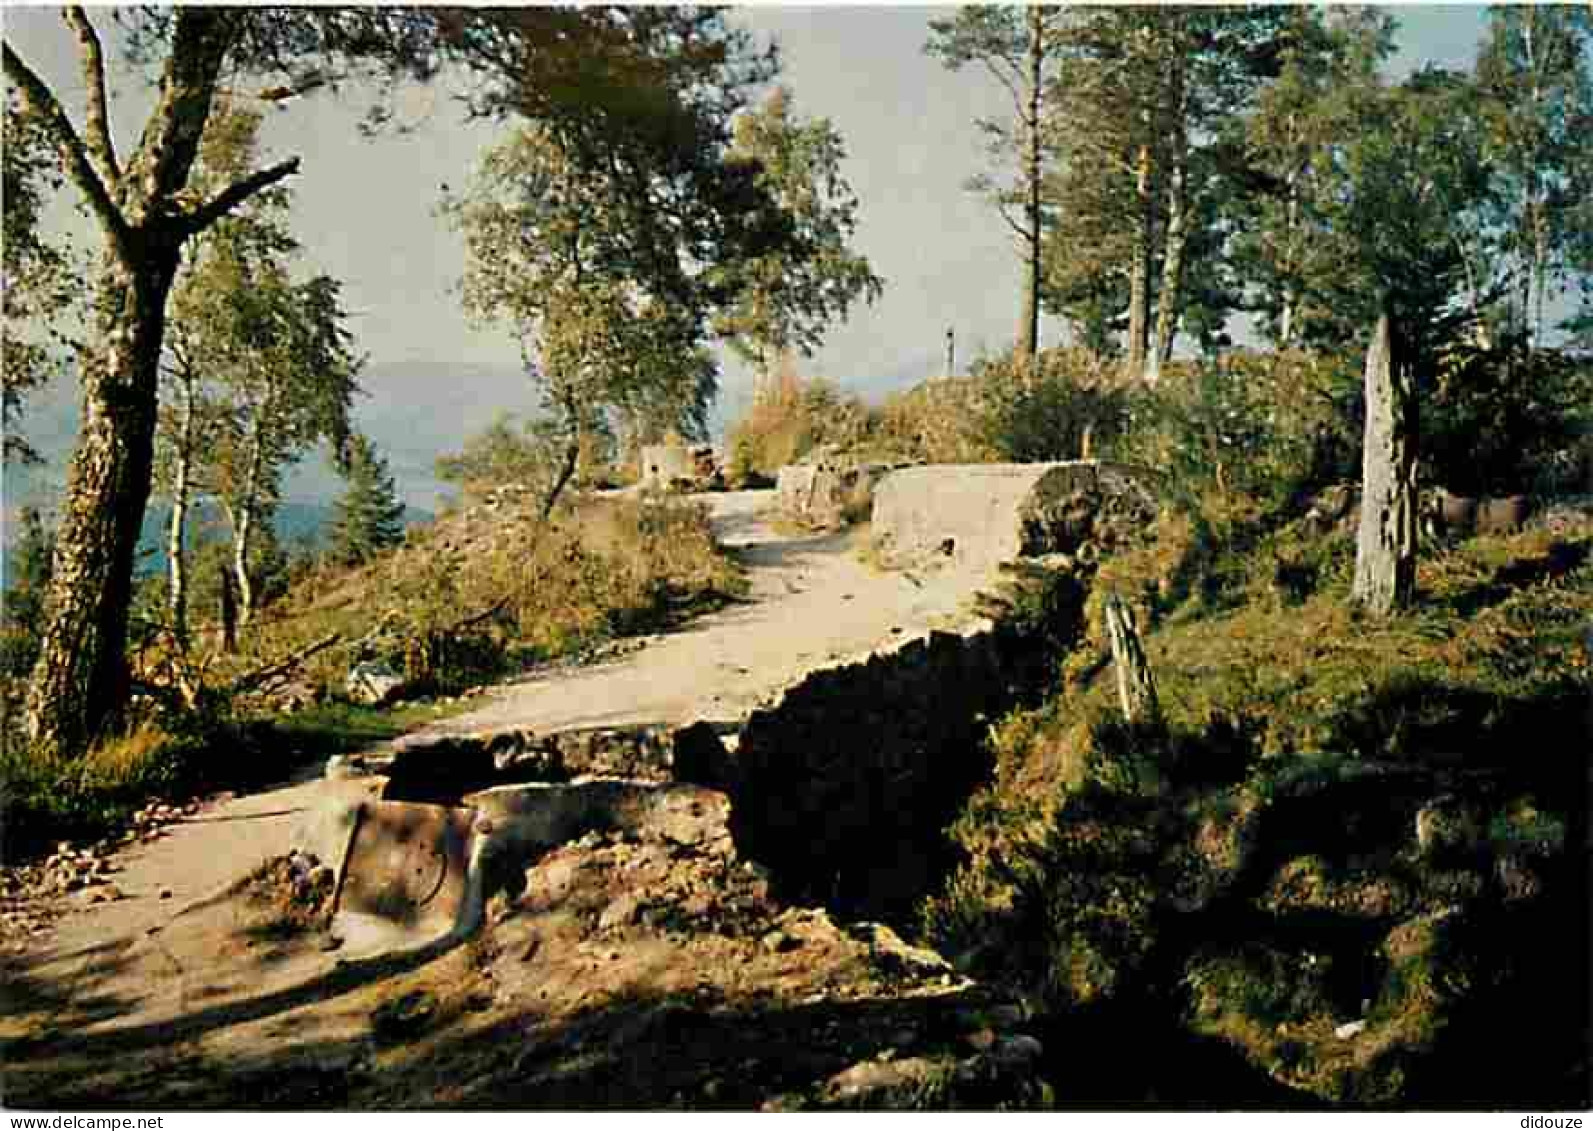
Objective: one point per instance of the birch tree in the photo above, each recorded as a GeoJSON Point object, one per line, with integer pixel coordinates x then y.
{"type": "Point", "coordinates": [612, 81]}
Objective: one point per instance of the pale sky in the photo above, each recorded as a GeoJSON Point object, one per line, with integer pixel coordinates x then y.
{"type": "Point", "coordinates": [365, 210]}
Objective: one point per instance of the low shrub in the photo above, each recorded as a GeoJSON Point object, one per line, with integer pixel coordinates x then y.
{"type": "Point", "coordinates": [1098, 844]}
{"type": "Point", "coordinates": [1068, 404]}
{"type": "Point", "coordinates": [786, 423]}
{"type": "Point", "coordinates": [1505, 419]}
{"type": "Point", "coordinates": [48, 796]}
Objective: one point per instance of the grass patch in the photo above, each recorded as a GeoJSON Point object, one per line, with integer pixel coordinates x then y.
{"type": "Point", "coordinates": [483, 594]}
{"type": "Point", "coordinates": [1248, 866]}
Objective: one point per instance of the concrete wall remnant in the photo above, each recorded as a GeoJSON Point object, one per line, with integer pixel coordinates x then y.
{"type": "Point", "coordinates": [986, 514]}
{"type": "Point", "coordinates": [827, 493]}
{"type": "Point", "coordinates": [670, 464]}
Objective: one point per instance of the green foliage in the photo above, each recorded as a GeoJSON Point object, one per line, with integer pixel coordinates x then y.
{"type": "Point", "coordinates": [604, 301]}
{"type": "Point", "coordinates": [1067, 401]}
{"type": "Point", "coordinates": [1092, 830]}
{"type": "Point", "coordinates": [28, 576]}
{"type": "Point", "coordinates": [47, 797]}
{"type": "Point", "coordinates": [1505, 420]}
{"type": "Point", "coordinates": [40, 285]}
{"type": "Point", "coordinates": [786, 298]}
{"type": "Point", "coordinates": [502, 454]}
{"type": "Point", "coordinates": [369, 516]}
{"type": "Point", "coordinates": [1143, 106]}
{"type": "Point", "coordinates": [1270, 428]}
{"type": "Point", "coordinates": [940, 421]}
{"type": "Point", "coordinates": [1537, 98]}
{"type": "Point", "coordinates": [487, 595]}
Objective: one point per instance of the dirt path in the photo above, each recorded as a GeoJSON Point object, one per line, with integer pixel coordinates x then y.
{"type": "Point", "coordinates": [812, 603]}
{"type": "Point", "coordinates": [584, 990]}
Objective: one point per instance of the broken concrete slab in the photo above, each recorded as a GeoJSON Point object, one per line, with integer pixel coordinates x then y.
{"type": "Point", "coordinates": [404, 879]}
{"type": "Point", "coordinates": [986, 514]}
{"type": "Point", "coordinates": [412, 875]}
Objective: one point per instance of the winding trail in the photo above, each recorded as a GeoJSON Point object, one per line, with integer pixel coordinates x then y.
{"type": "Point", "coordinates": [812, 603]}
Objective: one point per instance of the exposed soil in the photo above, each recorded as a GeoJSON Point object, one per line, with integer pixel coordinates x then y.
{"type": "Point", "coordinates": [626, 974]}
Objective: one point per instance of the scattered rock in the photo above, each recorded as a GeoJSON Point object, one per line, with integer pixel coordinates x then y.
{"type": "Point", "coordinates": [620, 913]}
{"type": "Point", "coordinates": [880, 1082]}
{"type": "Point", "coordinates": [373, 683]}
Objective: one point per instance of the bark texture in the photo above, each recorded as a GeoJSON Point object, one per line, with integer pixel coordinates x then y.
{"type": "Point", "coordinates": [145, 214]}
{"type": "Point", "coordinates": [1138, 346]}
{"type": "Point", "coordinates": [176, 544]}
{"type": "Point", "coordinates": [1385, 549]}
{"type": "Point", "coordinates": [1029, 330]}
{"type": "Point", "coordinates": [1169, 300]}
{"type": "Point", "coordinates": [81, 675]}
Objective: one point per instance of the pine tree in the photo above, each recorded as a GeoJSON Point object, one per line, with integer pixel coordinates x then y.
{"type": "Point", "coordinates": [369, 517]}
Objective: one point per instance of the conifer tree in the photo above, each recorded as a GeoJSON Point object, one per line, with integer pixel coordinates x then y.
{"type": "Point", "coordinates": [369, 516]}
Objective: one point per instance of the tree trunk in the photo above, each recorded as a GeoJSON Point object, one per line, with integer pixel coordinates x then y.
{"type": "Point", "coordinates": [176, 546]}
{"type": "Point", "coordinates": [1139, 272]}
{"type": "Point", "coordinates": [1029, 329]}
{"type": "Point", "coordinates": [1288, 318]}
{"type": "Point", "coordinates": [80, 680]}
{"type": "Point", "coordinates": [1169, 300]}
{"type": "Point", "coordinates": [572, 455]}
{"type": "Point", "coordinates": [242, 520]}
{"type": "Point", "coordinates": [1385, 550]}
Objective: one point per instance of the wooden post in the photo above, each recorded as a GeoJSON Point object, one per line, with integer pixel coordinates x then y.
{"type": "Point", "coordinates": [1136, 688]}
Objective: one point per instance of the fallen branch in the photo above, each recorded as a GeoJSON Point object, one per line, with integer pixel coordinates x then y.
{"type": "Point", "coordinates": [474, 619]}
{"type": "Point", "coordinates": [279, 669]}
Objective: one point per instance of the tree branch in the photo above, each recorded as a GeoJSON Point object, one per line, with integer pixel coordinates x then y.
{"type": "Point", "coordinates": [70, 148]}
{"type": "Point", "coordinates": [170, 143]}
{"type": "Point", "coordinates": [278, 669]}
{"type": "Point", "coordinates": [97, 124]}
{"type": "Point", "coordinates": [201, 217]}
{"type": "Point", "coordinates": [1019, 230]}
{"type": "Point", "coordinates": [1007, 78]}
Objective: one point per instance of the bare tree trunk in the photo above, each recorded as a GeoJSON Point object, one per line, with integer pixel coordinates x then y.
{"type": "Point", "coordinates": [1385, 550]}
{"type": "Point", "coordinates": [1289, 316]}
{"type": "Point", "coordinates": [1170, 300]}
{"type": "Point", "coordinates": [81, 678]}
{"type": "Point", "coordinates": [1029, 329]}
{"type": "Point", "coordinates": [242, 519]}
{"type": "Point", "coordinates": [1139, 272]}
{"type": "Point", "coordinates": [572, 455]}
{"type": "Point", "coordinates": [176, 543]}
